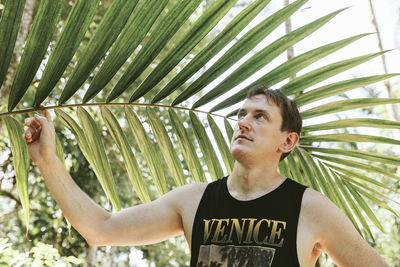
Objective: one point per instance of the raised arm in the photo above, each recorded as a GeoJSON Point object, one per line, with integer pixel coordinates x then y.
{"type": "Point", "coordinates": [336, 235]}
{"type": "Point", "coordinates": [142, 224]}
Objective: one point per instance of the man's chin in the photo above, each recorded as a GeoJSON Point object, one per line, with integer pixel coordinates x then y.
{"type": "Point", "coordinates": [239, 154]}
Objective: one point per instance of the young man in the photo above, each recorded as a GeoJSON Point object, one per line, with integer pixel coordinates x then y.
{"type": "Point", "coordinates": [253, 217]}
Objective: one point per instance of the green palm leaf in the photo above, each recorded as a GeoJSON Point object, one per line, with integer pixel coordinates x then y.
{"type": "Point", "coordinates": [344, 105]}
{"type": "Point", "coordinates": [264, 57]}
{"type": "Point", "coordinates": [75, 27]}
{"type": "Point", "coordinates": [148, 150]}
{"type": "Point", "coordinates": [345, 123]}
{"type": "Point", "coordinates": [9, 26]}
{"type": "Point", "coordinates": [38, 39]}
{"type": "Point", "coordinates": [21, 162]}
{"type": "Point", "coordinates": [198, 31]}
{"type": "Point", "coordinates": [188, 150]}
{"type": "Point", "coordinates": [92, 147]}
{"type": "Point", "coordinates": [131, 36]}
{"type": "Point", "coordinates": [159, 38]}
{"type": "Point", "coordinates": [222, 39]}
{"type": "Point", "coordinates": [293, 66]}
{"type": "Point", "coordinates": [349, 138]}
{"type": "Point", "coordinates": [337, 88]}
{"type": "Point", "coordinates": [222, 145]}
{"type": "Point", "coordinates": [166, 147]}
{"type": "Point", "coordinates": [241, 48]}
{"type": "Point", "coordinates": [132, 166]}
{"type": "Point", "coordinates": [110, 26]}
{"type": "Point", "coordinates": [206, 147]}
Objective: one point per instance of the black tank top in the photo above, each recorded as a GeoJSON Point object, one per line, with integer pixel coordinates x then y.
{"type": "Point", "coordinates": [258, 232]}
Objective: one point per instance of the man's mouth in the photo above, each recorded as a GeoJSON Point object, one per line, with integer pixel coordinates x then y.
{"type": "Point", "coordinates": [242, 136]}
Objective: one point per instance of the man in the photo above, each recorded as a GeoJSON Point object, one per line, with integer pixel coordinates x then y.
{"type": "Point", "coordinates": [253, 217]}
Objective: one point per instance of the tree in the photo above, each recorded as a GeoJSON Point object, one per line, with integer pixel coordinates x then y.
{"type": "Point", "coordinates": [135, 51]}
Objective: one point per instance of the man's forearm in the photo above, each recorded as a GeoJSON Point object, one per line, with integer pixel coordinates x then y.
{"type": "Point", "coordinates": [82, 212]}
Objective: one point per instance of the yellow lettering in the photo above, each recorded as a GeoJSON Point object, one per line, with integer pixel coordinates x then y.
{"type": "Point", "coordinates": [207, 229]}
{"type": "Point", "coordinates": [276, 233]}
{"type": "Point", "coordinates": [250, 231]}
{"type": "Point", "coordinates": [238, 229]}
{"type": "Point", "coordinates": [257, 230]}
{"type": "Point", "coordinates": [219, 231]}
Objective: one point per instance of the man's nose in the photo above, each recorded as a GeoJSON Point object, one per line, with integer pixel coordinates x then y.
{"type": "Point", "coordinates": [244, 123]}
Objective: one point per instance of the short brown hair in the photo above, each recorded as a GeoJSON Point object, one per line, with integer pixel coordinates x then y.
{"type": "Point", "coordinates": [291, 119]}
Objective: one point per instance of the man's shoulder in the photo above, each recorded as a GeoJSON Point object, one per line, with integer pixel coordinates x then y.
{"type": "Point", "coordinates": [319, 210]}
{"type": "Point", "coordinates": [187, 193]}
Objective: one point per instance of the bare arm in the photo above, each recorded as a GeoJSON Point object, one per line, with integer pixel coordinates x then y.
{"type": "Point", "coordinates": [142, 224]}
{"type": "Point", "coordinates": [336, 235]}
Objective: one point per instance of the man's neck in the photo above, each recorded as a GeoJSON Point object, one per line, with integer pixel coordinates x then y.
{"type": "Point", "coordinates": [248, 183]}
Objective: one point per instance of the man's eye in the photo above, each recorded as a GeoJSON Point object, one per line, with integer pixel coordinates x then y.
{"type": "Point", "coordinates": [260, 117]}
{"type": "Point", "coordinates": [241, 116]}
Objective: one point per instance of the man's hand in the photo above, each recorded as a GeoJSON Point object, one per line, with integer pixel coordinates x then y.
{"type": "Point", "coordinates": [40, 137]}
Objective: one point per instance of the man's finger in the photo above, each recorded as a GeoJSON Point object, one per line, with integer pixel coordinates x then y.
{"type": "Point", "coordinates": [44, 123]}
{"type": "Point", "coordinates": [46, 113]}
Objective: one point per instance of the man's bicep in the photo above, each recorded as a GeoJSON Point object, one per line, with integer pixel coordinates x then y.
{"type": "Point", "coordinates": [142, 224]}
{"type": "Point", "coordinates": [341, 241]}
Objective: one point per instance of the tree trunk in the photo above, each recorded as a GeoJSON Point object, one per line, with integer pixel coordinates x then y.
{"type": "Point", "coordinates": [91, 256]}
{"type": "Point", "coordinates": [288, 29]}
{"type": "Point", "coordinates": [392, 109]}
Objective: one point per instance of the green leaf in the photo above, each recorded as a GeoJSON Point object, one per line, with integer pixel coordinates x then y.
{"type": "Point", "coordinates": [148, 150]}
{"type": "Point", "coordinates": [132, 166]}
{"type": "Point", "coordinates": [344, 105]}
{"type": "Point", "coordinates": [289, 68]}
{"type": "Point", "coordinates": [364, 206]}
{"type": "Point", "coordinates": [308, 173]}
{"type": "Point", "coordinates": [356, 175]}
{"type": "Point", "coordinates": [92, 147]}
{"type": "Point", "coordinates": [338, 87]}
{"type": "Point", "coordinates": [71, 35]}
{"type": "Point", "coordinates": [189, 152]}
{"type": "Point", "coordinates": [9, 27]}
{"type": "Point", "coordinates": [132, 35]}
{"type": "Point", "coordinates": [295, 170]}
{"type": "Point", "coordinates": [284, 168]}
{"type": "Point", "coordinates": [362, 122]}
{"type": "Point", "coordinates": [164, 31]}
{"type": "Point", "coordinates": [228, 129]}
{"type": "Point", "coordinates": [374, 157]}
{"type": "Point", "coordinates": [20, 161]}
{"type": "Point", "coordinates": [338, 195]}
{"type": "Point", "coordinates": [349, 138]}
{"type": "Point", "coordinates": [195, 34]}
{"type": "Point", "coordinates": [109, 28]}
{"type": "Point", "coordinates": [239, 49]}
{"type": "Point", "coordinates": [353, 206]}
{"type": "Point", "coordinates": [360, 188]}
{"type": "Point", "coordinates": [217, 44]}
{"type": "Point", "coordinates": [166, 147]}
{"type": "Point", "coordinates": [206, 147]}
{"type": "Point", "coordinates": [358, 165]}
{"type": "Point", "coordinates": [222, 145]}
{"type": "Point", "coordinates": [102, 167]}
{"type": "Point", "coordinates": [318, 176]}
{"type": "Point", "coordinates": [262, 58]}
{"type": "Point", "coordinates": [38, 40]}
{"type": "Point", "coordinates": [300, 83]}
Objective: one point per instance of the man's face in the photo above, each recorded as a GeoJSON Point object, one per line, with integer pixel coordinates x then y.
{"type": "Point", "coordinates": [257, 135]}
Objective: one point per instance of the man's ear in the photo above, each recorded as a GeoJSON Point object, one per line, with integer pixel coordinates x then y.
{"type": "Point", "coordinates": [292, 138]}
